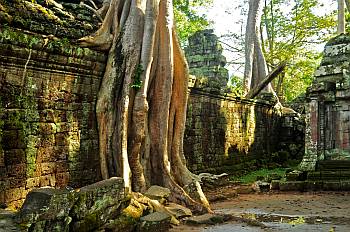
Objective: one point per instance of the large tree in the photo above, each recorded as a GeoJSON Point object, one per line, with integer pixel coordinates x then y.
{"type": "Point", "coordinates": [141, 106]}
{"type": "Point", "coordinates": [255, 64]}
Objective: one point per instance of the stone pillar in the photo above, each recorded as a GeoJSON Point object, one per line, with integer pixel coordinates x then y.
{"type": "Point", "coordinates": [311, 137]}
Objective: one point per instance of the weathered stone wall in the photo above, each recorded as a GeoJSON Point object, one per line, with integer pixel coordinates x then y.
{"type": "Point", "coordinates": [47, 114]}
{"type": "Point", "coordinates": [227, 134]}
{"type": "Point", "coordinates": [328, 114]}
{"type": "Point", "coordinates": [48, 89]}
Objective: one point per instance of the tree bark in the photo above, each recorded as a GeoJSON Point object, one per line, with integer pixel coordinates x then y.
{"type": "Point", "coordinates": [255, 64]}
{"type": "Point", "coordinates": [341, 17]}
{"type": "Point", "coordinates": [141, 106]}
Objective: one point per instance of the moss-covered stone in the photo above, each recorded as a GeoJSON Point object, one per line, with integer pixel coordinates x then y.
{"type": "Point", "coordinates": [73, 21]}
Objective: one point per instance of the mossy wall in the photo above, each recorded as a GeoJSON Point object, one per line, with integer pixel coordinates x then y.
{"type": "Point", "coordinates": [47, 114]}
{"type": "Point", "coordinates": [233, 135]}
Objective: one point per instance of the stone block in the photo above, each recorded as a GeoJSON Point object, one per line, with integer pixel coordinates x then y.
{"type": "Point", "coordinates": [155, 222]}
{"type": "Point", "coordinates": [14, 194]}
{"type": "Point", "coordinates": [62, 179]}
{"type": "Point", "coordinates": [47, 115]}
{"type": "Point", "coordinates": [48, 168]}
{"type": "Point", "coordinates": [275, 185]}
{"type": "Point", "coordinates": [61, 152]}
{"type": "Point", "coordinates": [16, 182]}
{"type": "Point", "coordinates": [61, 166]}
{"type": "Point", "coordinates": [17, 170]}
{"type": "Point", "coordinates": [244, 189]}
{"type": "Point", "coordinates": [61, 139]}
{"type": "Point", "coordinates": [295, 176]}
{"type": "Point", "coordinates": [313, 175]}
{"type": "Point", "coordinates": [47, 204]}
{"type": "Point", "coordinates": [330, 175]}
{"type": "Point", "coordinates": [47, 140]}
{"type": "Point", "coordinates": [157, 192]}
{"type": "Point", "coordinates": [98, 202]}
{"type": "Point", "coordinates": [292, 185]}
{"type": "Point", "coordinates": [14, 156]}
{"type": "Point", "coordinates": [10, 139]}
{"type": "Point", "coordinates": [331, 185]}
{"type": "Point", "coordinates": [32, 182]}
{"type": "Point", "coordinates": [47, 128]}
{"type": "Point", "coordinates": [13, 79]}
{"type": "Point", "coordinates": [46, 180]}
{"type": "Point", "coordinates": [314, 185]}
{"type": "Point", "coordinates": [46, 154]}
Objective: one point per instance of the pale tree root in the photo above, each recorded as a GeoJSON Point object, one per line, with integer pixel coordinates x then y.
{"type": "Point", "coordinates": [102, 39]}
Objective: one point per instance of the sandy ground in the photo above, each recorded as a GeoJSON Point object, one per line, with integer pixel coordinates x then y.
{"type": "Point", "coordinates": [312, 211]}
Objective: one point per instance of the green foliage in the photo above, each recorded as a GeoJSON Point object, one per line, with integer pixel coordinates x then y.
{"type": "Point", "coordinates": [294, 36]}
{"type": "Point", "coordinates": [292, 31]}
{"type": "Point", "coordinates": [137, 77]}
{"type": "Point", "coordinates": [236, 85]}
{"type": "Point", "coordinates": [298, 221]}
{"type": "Point", "coordinates": [252, 176]}
{"type": "Point", "coordinates": [188, 19]}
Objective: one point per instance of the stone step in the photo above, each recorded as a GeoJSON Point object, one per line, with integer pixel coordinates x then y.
{"type": "Point", "coordinates": [329, 175]}
{"type": "Point", "coordinates": [333, 165]}
{"type": "Point", "coordinates": [329, 185]}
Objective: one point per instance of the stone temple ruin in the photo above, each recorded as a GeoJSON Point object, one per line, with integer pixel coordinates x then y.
{"type": "Point", "coordinates": [328, 111]}
{"type": "Point", "coordinates": [48, 131]}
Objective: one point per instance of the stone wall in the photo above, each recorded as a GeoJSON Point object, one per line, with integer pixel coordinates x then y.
{"type": "Point", "coordinates": [48, 89]}
{"type": "Point", "coordinates": [328, 113]}
{"type": "Point", "coordinates": [47, 114]}
{"type": "Point", "coordinates": [228, 134]}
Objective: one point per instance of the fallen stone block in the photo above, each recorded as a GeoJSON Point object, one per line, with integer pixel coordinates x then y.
{"type": "Point", "coordinates": [154, 222]}
{"type": "Point", "coordinates": [85, 209]}
{"type": "Point", "coordinates": [179, 211]}
{"type": "Point", "coordinates": [156, 192]}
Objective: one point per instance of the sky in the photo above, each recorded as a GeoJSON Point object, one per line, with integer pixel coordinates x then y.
{"type": "Point", "coordinates": [226, 18]}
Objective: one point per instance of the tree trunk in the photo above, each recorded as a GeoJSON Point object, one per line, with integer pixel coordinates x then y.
{"type": "Point", "coordinates": [141, 107]}
{"type": "Point", "coordinates": [341, 17]}
{"type": "Point", "coordinates": [255, 63]}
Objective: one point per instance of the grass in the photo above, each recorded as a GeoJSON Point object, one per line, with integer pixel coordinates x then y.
{"type": "Point", "coordinates": [251, 177]}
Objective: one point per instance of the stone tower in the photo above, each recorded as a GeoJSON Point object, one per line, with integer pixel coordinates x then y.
{"type": "Point", "coordinates": [206, 62]}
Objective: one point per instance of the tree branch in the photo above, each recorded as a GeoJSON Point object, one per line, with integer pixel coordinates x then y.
{"type": "Point", "coordinates": [256, 90]}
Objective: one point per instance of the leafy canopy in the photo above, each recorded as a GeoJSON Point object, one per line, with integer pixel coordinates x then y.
{"type": "Point", "coordinates": [188, 18]}
{"type": "Point", "coordinates": [295, 36]}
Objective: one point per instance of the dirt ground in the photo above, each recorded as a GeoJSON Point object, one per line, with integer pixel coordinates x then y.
{"type": "Point", "coordinates": [311, 211]}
